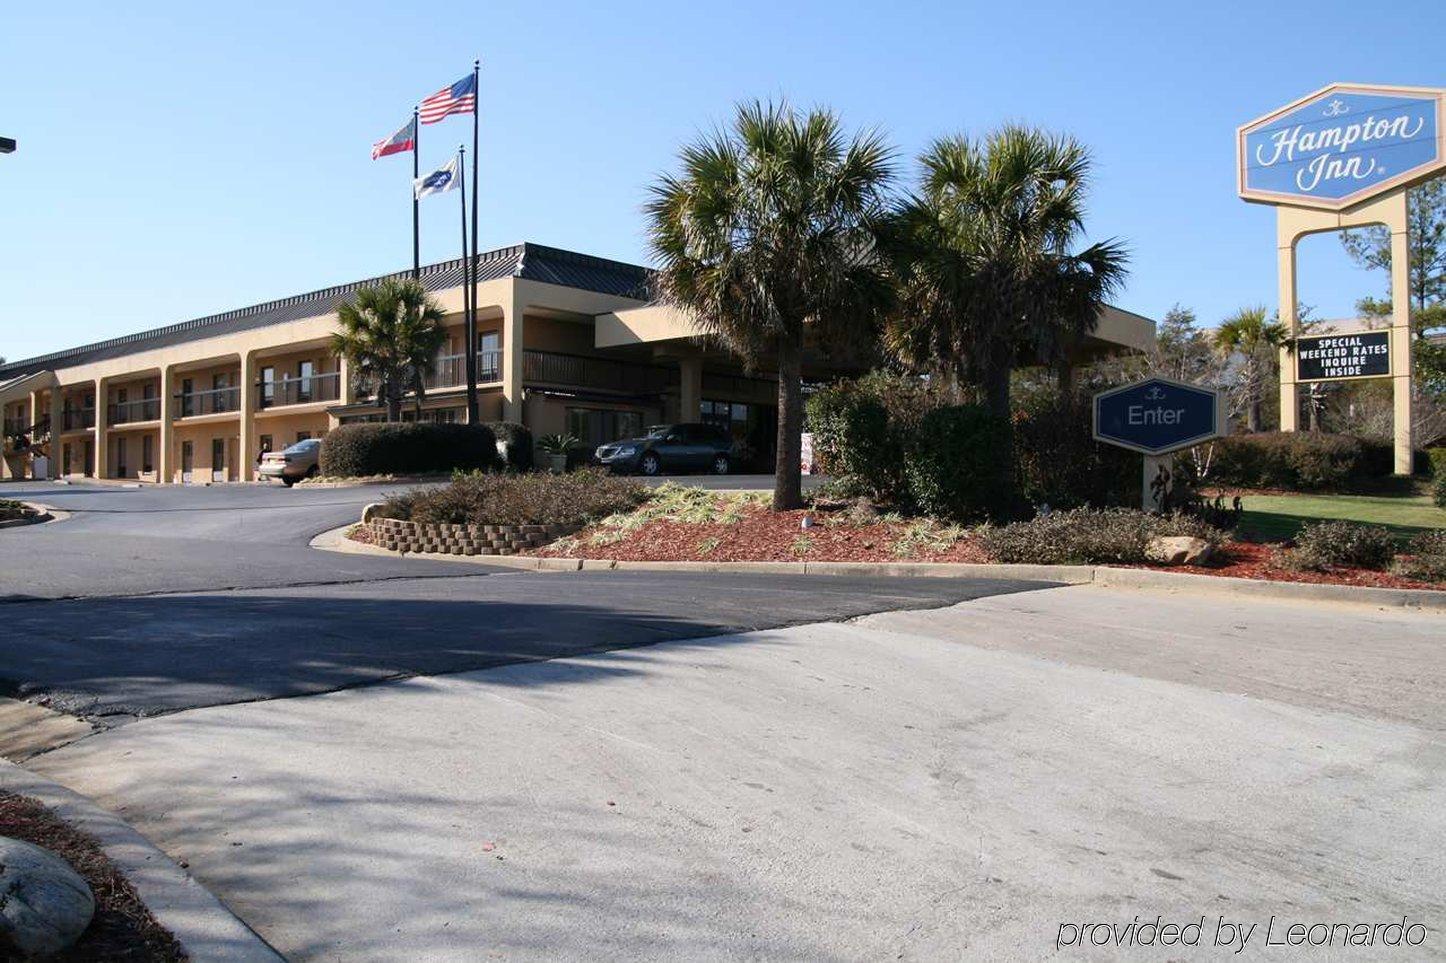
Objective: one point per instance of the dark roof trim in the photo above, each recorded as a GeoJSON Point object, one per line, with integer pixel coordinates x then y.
{"type": "Point", "coordinates": [534, 262]}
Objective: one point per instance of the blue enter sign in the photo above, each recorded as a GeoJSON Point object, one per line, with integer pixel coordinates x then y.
{"type": "Point", "coordinates": [1156, 416]}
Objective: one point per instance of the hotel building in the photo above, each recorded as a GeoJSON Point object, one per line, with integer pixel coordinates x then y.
{"type": "Point", "coordinates": [566, 342]}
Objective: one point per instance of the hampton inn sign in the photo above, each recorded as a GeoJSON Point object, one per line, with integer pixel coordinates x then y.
{"type": "Point", "coordinates": [1344, 157]}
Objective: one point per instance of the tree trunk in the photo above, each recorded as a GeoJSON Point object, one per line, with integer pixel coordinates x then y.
{"type": "Point", "coordinates": [996, 391]}
{"type": "Point", "coordinates": [787, 473]}
{"type": "Point", "coordinates": [1253, 419]}
{"type": "Point", "coordinates": [394, 402]}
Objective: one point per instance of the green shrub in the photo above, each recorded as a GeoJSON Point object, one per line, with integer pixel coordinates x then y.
{"type": "Point", "coordinates": [1322, 545]}
{"type": "Point", "coordinates": [1089, 536]}
{"type": "Point", "coordinates": [1059, 463]}
{"type": "Point", "coordinates": [853, 439]}
{"type": "Point", "coordinates": [536, 498]}
{"type": "Point", "coordinates": [1438, 490]}
{"type": "Point", "coordinates": [957, 464]}
{"type": "Point", "coordinates": [1427, 561]}
{"type": "Point", "coordinates": [406, 448]}
{"type": "Point", "coordinates": [1437, 460]}
{"type": "Point", "coordinates": [514, 444]}
{"type": "Point", "coordinates": [862, 427]}
{"type": "Point", "coordinates": [1294, 460]}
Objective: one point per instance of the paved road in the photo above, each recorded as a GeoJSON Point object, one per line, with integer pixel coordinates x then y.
{"type": "Point", "coordinates": [153, 600]}
{"type": "Point", "coordinates": [949, 784]}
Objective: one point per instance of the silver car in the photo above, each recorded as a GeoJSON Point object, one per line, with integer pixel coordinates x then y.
{"type": "Point", "coordinates": [292, 464]}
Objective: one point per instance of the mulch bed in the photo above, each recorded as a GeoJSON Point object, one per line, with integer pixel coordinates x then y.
{"type": "Point", "coordinates": [1256, 560]}
{"type": "Point", "coordinates": [764, 535]}
{"type": "Point", "coordinates": [123, 930]}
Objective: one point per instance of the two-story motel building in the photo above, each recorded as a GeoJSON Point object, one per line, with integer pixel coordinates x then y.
{"type": "Point", "coordinates": [567, 342]}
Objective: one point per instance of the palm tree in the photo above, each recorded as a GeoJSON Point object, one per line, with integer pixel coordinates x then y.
{"type": "Point", "coordinates": [768, 232]}
{"type": "Point", "coordinates": [390, 335]}
{"type": "Point", "coordinates": [1254, 335]}
{"type": "Point", "coordinates": [984, 256]}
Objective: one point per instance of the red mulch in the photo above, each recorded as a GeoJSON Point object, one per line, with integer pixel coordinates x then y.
{"type": "Point", "coordinates": [122, 930]}
{"type": "Point", "coordinates": [764, 535]}
{"type": "Point", "coordinates": [361, 533]}
{"type": "Point", "coordinates": [1254, 560]}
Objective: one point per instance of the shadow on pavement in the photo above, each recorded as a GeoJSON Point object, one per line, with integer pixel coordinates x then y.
{"type": "Point", "coordinates": [147, 655]}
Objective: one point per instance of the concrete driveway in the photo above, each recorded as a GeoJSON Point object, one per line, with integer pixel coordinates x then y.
{"type": "Point", "coordinates": [967, 782]}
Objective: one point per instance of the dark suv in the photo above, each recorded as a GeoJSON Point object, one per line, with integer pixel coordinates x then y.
{"type": "Point", "coordinates": [682, 448]}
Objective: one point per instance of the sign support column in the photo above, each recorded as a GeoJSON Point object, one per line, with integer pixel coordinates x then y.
{"type": "Point", "coordinates": [1401, 334]}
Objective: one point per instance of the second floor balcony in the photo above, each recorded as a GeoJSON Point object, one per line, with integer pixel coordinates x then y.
{"type": "Point", "coordinates": [77, 419]}
{"type": "Point", "coordinates": [129, 412]}
{"type": "Point", "coordinates": [299, 391]}
{"type": "Point", "coordinates": [451, 370]}
{"type": "Point", "coordinates": [604, 374]}
{"type": "Point", "coordinates": [212, 401]}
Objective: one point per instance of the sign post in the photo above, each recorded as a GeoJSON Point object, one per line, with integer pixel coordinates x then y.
{"type": "Point", "coordinates": [1156, 417]}
{"type": "Point", "coordinates": [1343, 157]}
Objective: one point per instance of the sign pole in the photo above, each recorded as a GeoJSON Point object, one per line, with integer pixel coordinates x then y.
{"type": "Point", "coordinates": [1152, 493]}
{"type": "Point", "coordinates": [1400, 224]}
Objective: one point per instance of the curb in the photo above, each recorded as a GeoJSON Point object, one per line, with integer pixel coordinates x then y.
{"type": "Point", "coordinates": [198, 920]}
{"type": "Point", "coordinates": [1102, 575]}
{"type": "Point", "coordinates": [44, 513]}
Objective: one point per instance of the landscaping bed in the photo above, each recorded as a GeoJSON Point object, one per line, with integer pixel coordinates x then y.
{"type": "Point", "coordinates": [122, 929]}
{"type": "Point", "coordinates": [691, 525]}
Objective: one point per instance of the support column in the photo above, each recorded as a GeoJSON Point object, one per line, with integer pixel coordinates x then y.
{"type": "Point", "coordinates": [246, 469]}
{"type": "Point", "coordinates": [165, 464]}
{"type": "Point", "coordinates": [57, 423]}
{"type": "Point", "coordinates": [512, 346]}
{"type": "Point", "coordinates": [690, 387]}
{"type": "Point", "coordinates": [1285, 255]}
{"type": "Point", "coordinates": [1401, 339]}
{"type": "Point", "coordinates": [102, 403]}
{"type": "Point", "coordinates": [34, 419]}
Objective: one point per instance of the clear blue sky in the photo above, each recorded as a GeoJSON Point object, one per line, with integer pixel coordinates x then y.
{"type": "Point", "coordinates": [179, 159]}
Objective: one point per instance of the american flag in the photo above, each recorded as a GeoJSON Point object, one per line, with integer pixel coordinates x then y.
{"type": "Point", "coordinates": [460, 98]}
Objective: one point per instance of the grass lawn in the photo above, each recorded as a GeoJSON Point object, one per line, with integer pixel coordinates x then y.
{"type": "Point", "coordinates": [1275, 517]}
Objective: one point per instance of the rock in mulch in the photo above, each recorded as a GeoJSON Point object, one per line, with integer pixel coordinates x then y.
{"type": "Point", "coordinates": [44, 904]}
{"type": "Point", "coordinates": [1179, 550]}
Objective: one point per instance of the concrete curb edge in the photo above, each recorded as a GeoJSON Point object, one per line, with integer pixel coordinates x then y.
{"type": "Point", "coordinates": [202, 923]}
{"type": "Point", "coordinates": [1103, 575]}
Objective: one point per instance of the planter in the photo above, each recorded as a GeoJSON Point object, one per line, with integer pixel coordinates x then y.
{"type": "Point", "coordinates": [398, 535]}
{"type": "Point", "coordinates": [558, 463]}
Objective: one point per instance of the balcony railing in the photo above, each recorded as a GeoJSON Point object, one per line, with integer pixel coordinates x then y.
{"type": "Point", "coordinates": [581, 371]}
{"type": "Point", "coordinates": [213, 401]}
{"type": "Point", "coordinates": [451, 370]}
{"type": "Point", "coordinates": [74, 419]}
{"type": "Point", "coordinates": [126, 412]}
{"type": "Point", "coordinates": [299, 391]}
{"type": "Point", "coordinates": [15, 426]}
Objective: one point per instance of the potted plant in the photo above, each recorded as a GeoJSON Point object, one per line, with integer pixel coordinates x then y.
{"type": "Point", "coordinates": [556, 448]}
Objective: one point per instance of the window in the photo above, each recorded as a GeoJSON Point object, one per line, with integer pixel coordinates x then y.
{"type": "Point", "coordinates": [489, 356]}
{"type": "Point", "coordinates": [120, 457]}
{"type": "Point", "coordinates": [218, 458]}
{"type": "Point", "coordinates": [268, 386]}
{"type": "Point", "coordinates": [302, 436]}
{"type": "Point", "coordinates": [219, 400]}
{"type": "Point", "coordinates": [148, 450]}
{"type": "Point", "coordinates": [265, 443]}
{"type": "Point", "coordinates": [188, 397]}
{"type": "Point", "coordinates": [304, 372]}
{"type": "Point", "coordinates": [597, 426]}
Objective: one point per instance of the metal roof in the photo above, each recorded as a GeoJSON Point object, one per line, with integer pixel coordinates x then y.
{"type": "Point", "coordinates": [533, 262]}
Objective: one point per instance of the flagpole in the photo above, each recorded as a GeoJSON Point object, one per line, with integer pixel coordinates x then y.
{"type": "Point", "coordinates": [472, 413]}
{"type": "Point", "coordinates": [416, 172]}
{"type": "Point", "coordinates": [469, 295]}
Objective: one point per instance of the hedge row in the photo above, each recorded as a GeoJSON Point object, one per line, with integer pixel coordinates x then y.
{"type": "Point", "coordinates": [1297, 460]}
{"type": "Point", "coordinates": [528, 499]}
{"type": "Point", "coordinates": [407, 448]}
